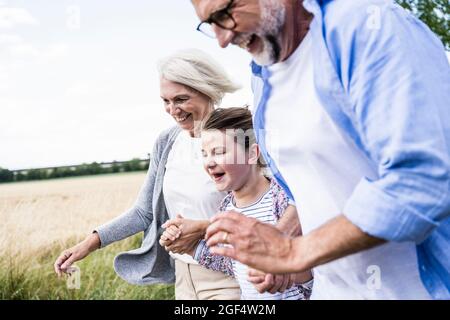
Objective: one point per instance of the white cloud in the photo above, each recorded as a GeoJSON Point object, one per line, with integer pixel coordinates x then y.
{"type": "Point", "coordinates": [11, 17]}
{"type": "Point", "coordinates": [56, 50]}
{"type": "Point", "coordinates": [78, 90]}
{"type": "Point", "coordinates": [23, 50]}
{"type": "Point", "coordinates": [9, 39]}
{"type": "Point", "coordinates": [15, 46]}
{"type": "Point", "coordinates": [4, 80]}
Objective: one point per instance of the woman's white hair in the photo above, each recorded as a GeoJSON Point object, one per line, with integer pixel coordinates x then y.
{"type": "Point", "coordinates": [197, 70]}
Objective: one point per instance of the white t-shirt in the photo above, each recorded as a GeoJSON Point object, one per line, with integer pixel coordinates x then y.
{"type": "Point", "coordinates": [322, 166]}
{"type": "Point", "coordinates": [187, 188]}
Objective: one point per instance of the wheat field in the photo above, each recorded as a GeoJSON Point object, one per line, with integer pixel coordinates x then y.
{"type": "Point", "coordinates": [41, 218]}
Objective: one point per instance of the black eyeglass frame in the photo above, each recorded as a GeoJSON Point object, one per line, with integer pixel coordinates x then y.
{"type": "Point", "coordinates": [226, 12]}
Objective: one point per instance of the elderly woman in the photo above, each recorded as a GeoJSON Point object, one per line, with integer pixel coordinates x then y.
{"type": "Point", "coordinates": [191, 84]}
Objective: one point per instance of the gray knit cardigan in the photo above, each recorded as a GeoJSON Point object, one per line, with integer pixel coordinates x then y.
{"type": "Point", "coordinates": [150, 263]}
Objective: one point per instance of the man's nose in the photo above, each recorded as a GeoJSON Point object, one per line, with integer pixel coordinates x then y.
{"type": "Point", "coordinates": [224, 36]}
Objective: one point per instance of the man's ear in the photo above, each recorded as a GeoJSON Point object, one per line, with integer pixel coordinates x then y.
{"type": "Point", "coordinates": [253, 154]}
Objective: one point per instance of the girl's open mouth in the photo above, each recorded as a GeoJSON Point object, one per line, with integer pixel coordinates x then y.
{"type": "Point", "coordinates": [218, 176]}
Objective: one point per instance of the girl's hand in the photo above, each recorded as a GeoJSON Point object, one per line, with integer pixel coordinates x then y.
{"type": "Point", "coordinates": [191, 232]}
{"type": "Point", "coordinates": [169, 236]}
{"type": "Point", "coordinates": [266, 282]}
{"type": "Point", "coordinates": [272, 283]}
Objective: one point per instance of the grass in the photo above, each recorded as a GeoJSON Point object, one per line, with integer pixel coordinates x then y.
{"type": "Point", "coordinates": [40, 219]}
{"type": "Point", "coordinates": [34, 278]}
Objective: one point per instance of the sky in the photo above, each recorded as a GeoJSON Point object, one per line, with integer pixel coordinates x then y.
{"type": "Point", "coordinates": [78, 79]}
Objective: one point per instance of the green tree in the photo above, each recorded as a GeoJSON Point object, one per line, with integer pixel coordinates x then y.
{"type": "Point", "coordinates": [126, 166]}
{"type": "Point", "coordinates": [435, 13]}
{"type": "Point", "coordinates": [6, 175]}
{"type": "Point", "coordinates": [54, 173]}
{"type": "Point", "coordinates": [115, 167]}
{"type": "Point", "coordinates": [82, 169]}
{"type": "Point", "coordinates": [95, 168]}
{"type": "Point", "coordinates": [20, 177]}
{"type": "Point", "coordinates": [135, 164]}
{"type": "Point", "coordinates": [36, 174]}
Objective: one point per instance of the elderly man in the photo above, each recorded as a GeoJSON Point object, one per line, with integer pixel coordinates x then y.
{"type": "Point", "coordinates": [358, 94]}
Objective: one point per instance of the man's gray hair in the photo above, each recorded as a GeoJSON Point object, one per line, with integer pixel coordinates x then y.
{"type": "Point", "coordinates": [197, 70]}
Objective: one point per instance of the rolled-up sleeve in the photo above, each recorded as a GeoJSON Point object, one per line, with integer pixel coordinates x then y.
{"type": "Point", "coordinates": [398, 79]}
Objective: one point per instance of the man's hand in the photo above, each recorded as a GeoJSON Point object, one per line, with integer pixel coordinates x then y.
{"type": "Point", "coordinates": [254, 243]}
{"type": "Point", "coordinates": [263, 247]}
{"type": "Point", "coordinates": [289, 224]}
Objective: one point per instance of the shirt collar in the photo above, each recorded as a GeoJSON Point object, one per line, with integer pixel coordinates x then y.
{"type": "Point", "coordinates": [260, 71]}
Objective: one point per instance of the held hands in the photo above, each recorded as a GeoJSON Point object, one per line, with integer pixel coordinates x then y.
{"type": "Point", "coordinates": [182, 235]}
{"type": "Point", "coordinates": [169, 235]}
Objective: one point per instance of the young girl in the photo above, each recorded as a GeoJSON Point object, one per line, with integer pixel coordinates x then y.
{"type": "Point", "coordinates": [232, 159]}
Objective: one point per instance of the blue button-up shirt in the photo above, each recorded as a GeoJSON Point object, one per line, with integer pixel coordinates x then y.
{"type": "Point", "coordinates": [384, 79]}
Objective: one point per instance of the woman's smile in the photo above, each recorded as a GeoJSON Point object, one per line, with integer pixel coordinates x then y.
{"type": "Point", "coordinates": [181, 119]}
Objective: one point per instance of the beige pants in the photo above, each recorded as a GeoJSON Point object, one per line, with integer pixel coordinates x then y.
{"type": "Point", "coordinates": [194, 282]}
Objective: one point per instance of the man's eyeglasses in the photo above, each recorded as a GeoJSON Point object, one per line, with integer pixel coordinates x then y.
{"type": "Point", "coordinates": [222, 18]}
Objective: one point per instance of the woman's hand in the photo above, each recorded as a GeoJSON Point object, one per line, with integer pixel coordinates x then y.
{"type": "Point", "coordinates": [76, 253]}
{"type": "Point", "coordinates": [186, 234]}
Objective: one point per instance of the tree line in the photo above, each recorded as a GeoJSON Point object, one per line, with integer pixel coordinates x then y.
{"type": "Point", "coordinates": [84, 169]}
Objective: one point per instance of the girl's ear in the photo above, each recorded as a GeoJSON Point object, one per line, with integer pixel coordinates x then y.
{"type": "Point", "coordinates": [253, 154]}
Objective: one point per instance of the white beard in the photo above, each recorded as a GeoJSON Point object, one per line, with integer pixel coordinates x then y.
{"type": "Point", "coordinates": [272, 21]}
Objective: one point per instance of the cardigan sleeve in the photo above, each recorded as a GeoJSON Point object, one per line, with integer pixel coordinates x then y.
{"type": "Point", "coordinates": [139, 217]}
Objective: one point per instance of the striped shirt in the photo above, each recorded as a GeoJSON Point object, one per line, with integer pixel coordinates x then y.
{"type": "Point", "coordinates": [268, 209]}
